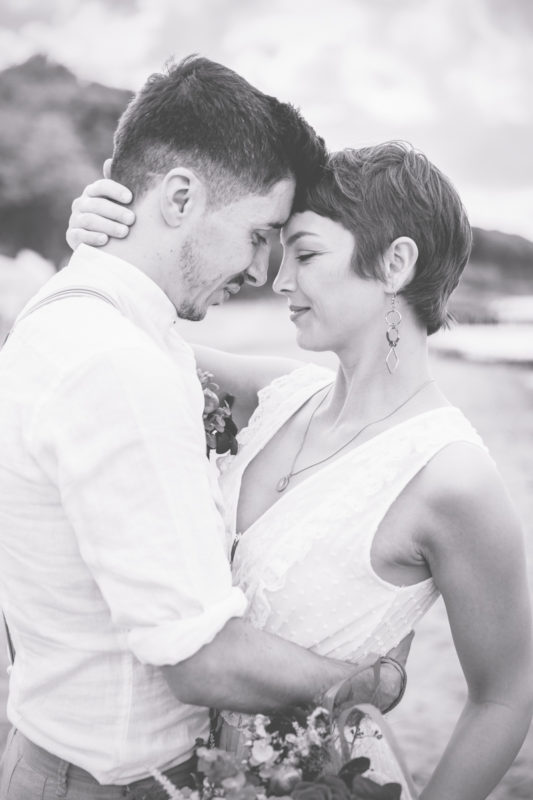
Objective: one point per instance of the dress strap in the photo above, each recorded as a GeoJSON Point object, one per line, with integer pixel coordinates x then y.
{"type": "Point", "coordinates": [397, 461]}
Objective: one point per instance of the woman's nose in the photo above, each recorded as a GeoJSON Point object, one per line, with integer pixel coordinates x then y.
{"type": "Point", "coordinates": [284, 281]}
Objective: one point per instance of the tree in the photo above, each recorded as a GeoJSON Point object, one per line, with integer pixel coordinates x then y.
{"type": "Point", "coordinates": [54, 135]}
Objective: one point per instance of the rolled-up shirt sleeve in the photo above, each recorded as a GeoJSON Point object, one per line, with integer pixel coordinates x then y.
{"type": "Point", "coordinates": [122, 439]}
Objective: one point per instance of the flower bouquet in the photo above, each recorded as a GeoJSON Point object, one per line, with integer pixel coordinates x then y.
{"type": "Point", "coordinates": [220, 429]}
{"type": "Point", "coordinates": [298, 754]}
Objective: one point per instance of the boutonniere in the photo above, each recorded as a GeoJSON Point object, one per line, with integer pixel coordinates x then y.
{"type": "Point", "coordinates": [220, 429]}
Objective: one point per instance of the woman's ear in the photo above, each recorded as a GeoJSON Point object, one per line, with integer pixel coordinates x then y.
{"type": "Point", "coordinates": [399, 263]}
{"type": "Point", "coordinates": [181, 194]}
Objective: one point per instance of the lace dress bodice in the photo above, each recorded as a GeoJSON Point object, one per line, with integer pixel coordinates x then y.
{"type": "Point", "coordinates": [305, 565]}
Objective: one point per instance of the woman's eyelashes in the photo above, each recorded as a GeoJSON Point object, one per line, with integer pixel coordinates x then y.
{"type": "Point", "coordinates": [307, 256]}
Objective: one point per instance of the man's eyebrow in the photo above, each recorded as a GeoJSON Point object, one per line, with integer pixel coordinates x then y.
{"type": "Point", "coordinates": [298, 235]}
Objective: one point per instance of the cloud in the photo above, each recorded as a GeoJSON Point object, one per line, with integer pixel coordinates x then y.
{"type": "Point", "coordinates": [452, 77]}
{"type": "Point", "coordinates": [14, 48]}
{"type": "Point", "coordinates": [98, 40]}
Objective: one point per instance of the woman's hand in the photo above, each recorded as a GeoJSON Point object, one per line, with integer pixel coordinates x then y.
{"type": "Point", "coordinates": [98, 214]}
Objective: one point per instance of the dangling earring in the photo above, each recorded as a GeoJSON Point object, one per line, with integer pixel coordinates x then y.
{"type": "Point", "coordinates": [393, 319]}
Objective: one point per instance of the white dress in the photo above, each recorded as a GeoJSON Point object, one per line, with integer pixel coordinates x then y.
{"type": "Point", "coordinates": [304, 565]}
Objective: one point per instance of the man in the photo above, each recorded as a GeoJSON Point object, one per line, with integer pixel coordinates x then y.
{"type": "Point", "coordinates": [115, 580]}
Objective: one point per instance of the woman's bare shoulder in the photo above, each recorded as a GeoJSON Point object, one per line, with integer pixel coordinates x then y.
{"type": "Point", "coordinates": [461, 469]}
{"type": "Point", "coordinates": [465, 499]}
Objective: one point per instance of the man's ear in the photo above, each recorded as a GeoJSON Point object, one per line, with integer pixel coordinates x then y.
{"type": "Point", "coordinates": [181, 194]}
{"type": "Point", "coordinates": [399, 263]}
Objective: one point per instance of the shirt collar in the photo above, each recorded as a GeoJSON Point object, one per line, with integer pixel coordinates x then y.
{"type": "Point", "coordinates": [138, 296]}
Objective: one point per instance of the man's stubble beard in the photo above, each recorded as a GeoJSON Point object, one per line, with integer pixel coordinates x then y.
{"type": "Point", "coordinates": [190, 268]}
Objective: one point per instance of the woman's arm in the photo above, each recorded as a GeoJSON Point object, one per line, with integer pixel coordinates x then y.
{"type": "Point", "coordinates": [242, 376]}
{"type": "Point", "coordinates": [474, 546]}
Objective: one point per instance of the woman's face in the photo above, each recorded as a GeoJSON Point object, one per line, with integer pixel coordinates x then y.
{"type": "Point", "coordinates": [331, 306]}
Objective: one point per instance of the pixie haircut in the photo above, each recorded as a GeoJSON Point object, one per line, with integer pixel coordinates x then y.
{"type": "Point", "coordinates": [203, 115]}
{"type": "Point", "coordinates": [381, 193]}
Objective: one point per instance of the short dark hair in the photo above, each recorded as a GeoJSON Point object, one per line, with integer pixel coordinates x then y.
{"type": "Point", "coordinates": [380, 193]}
{"type": "Point", "coordinates": [212, 120]}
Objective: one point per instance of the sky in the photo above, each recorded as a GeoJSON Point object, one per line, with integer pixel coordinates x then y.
{"type": "Point", "coordinates": [454, 77]}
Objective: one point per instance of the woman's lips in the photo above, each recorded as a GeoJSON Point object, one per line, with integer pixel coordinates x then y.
{"type": "Point", "coordinates": [297, 311]}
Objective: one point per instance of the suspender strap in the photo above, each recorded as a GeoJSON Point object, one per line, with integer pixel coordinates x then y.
{"type": "Point", "coordinates": [73, 291]}
{"type": "Point", "coordinates": [9, 641]}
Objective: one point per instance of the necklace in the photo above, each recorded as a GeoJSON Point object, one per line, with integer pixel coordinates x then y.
{"type": "Point", "coordinates": [284, 481]}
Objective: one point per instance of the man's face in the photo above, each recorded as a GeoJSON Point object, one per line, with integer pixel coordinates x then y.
{"type": "Point", "coordinates": [230, 246]}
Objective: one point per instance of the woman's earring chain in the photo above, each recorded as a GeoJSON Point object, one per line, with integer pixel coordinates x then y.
{"type": "Point", "coordinates": [393, 319]}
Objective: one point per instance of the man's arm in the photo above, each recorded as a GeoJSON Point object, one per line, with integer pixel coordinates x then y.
{"type": "Point", "coordinates": [244, 669]}
{"type": "Point", "coordinates": [247, 670]}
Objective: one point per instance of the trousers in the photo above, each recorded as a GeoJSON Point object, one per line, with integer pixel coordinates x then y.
{"type": "Point", "coordinates": [31, 773]}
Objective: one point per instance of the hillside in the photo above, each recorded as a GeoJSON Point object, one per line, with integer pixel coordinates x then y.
{"type": "Point", "coordinates": [55, 132]}
{"type": "Point", "coordinates": [500, 266]}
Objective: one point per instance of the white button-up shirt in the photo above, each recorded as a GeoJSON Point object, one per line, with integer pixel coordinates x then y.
{"type": "Point", "coordinates": [112, 552]}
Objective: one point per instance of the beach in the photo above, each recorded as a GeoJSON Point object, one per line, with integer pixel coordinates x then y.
{"type": "Point", "coordinates": [498, 399]}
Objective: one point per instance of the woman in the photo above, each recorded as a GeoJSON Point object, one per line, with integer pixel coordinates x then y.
{"type": "Point", "coordinates": [357, 497]}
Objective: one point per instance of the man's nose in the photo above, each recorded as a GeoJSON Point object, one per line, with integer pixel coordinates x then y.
{"type": "Point", "coordinates": [257, 272]}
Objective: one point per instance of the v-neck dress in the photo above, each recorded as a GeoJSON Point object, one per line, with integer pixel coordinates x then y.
{"type": "Point", "coordinates": [304, 565]}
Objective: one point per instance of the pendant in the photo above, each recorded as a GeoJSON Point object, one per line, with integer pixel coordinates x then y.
{"type": "Point", "coordinates": [282, 484]}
